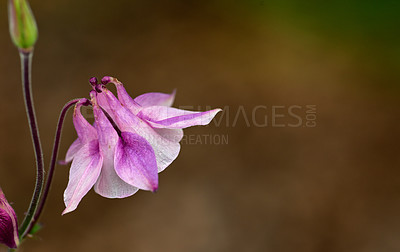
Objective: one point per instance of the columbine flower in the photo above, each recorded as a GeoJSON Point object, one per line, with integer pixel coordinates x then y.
{"type": "Point", "coordinates": [8, 223]}
{"type": "Point", "coordinates": [130, 142]}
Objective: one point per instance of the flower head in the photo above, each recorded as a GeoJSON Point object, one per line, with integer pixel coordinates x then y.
{"type": "Point", "coordinates": [129, 143]}
{"type": "Point", "coordinates": [8, 223]}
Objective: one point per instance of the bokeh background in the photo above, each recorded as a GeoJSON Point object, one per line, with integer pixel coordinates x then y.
{"type": "Point", "coordinates": [333, 187]}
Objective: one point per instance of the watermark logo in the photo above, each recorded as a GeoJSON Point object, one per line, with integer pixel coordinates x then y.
{"type": "Point", "coordinates": [260, 116]}
{"type": "Point", "coordinates": [211, 139]}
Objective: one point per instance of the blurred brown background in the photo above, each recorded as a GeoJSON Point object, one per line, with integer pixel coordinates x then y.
{"type": "Point", "coordinates": [333, 187]}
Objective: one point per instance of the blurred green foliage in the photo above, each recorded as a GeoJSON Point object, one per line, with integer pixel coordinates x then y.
{"type": "Point", "coordinates": [377, 20]}
{"type": "Point", "coordinates": [367, 28]}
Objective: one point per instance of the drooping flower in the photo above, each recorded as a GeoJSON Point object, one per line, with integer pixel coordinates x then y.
{"type": "Point", "coordinates": [8, 223]}
{"type": "Point", "coordinates": [151, 116]}
{"type": "Point", "coordinates": [130, 142]}
{"type": "Point", "coordinates": [93, 160]}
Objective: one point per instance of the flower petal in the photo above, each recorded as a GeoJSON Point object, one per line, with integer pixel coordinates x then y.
{"type": "Point", "coordinates": [108, 184]}
{"type": "Point", "coordinates": [135, 162]}
{"type": "Point", "coordinates": [86, 132]}
{"type": "Point", "coordinates": [155, 99]}
{"type": "Point", "coordinates": [165, 150]}
{"type": "Point", "coordinates": [174, 135]}
{"type": "Point", "coordinates": [8, 223]}
{"type": "Point", "coordinates": [85, 170]}
{"type": "Point", "coordinates": [144, 100]}
{"type": "Point", "coordinates": [172, 118]}
{"type": "Point", "coordinates": [126, 99]}
{"type": "Point", "coordinates": [73, 149]}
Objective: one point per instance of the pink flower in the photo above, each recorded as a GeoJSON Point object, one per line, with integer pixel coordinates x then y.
{"type": "Point", "coordinates": [8, 223]}
{"type": "Point", "coordinates": [130, 142]}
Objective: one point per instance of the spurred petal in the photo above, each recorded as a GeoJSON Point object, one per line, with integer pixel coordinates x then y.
{"type": "Point", "coordinates": [155, 99]}
{"type": "Point", "coordinates": [135, 162]}
{"type": "Point", "coordinates": [172, 118]}
{"type": "Point", "coordinates": [85, 170]}
{"type": "Point", "coordinates": [73, 149]}
{"type": "Point", "coordinates": [108, 184]}
{"type": "Point", "coordinates": [126, 99]}
{"type": "Point", "coordinates": [165, 150]}
{"type": "Point", "coordinates": [144, 100]}
{"type": "Point", "coordinates": [86, 132]}
{"type": "Point", "coordinates": [8, 223]}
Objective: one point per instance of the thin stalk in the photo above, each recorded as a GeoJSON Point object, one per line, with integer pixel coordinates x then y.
{"type": "Point", "coordinates": [53, 161]}
{"type": "Point", "coordinates": [26, 60]}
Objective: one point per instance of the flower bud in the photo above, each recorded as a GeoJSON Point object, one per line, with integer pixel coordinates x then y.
{"type": "Point", "coordinates": [23, 29]}
{"type": "Point", "coordinates": [8, 223]}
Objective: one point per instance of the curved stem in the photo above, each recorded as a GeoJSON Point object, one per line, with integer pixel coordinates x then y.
{"type": "Point", "coordinates": [53, 161]}
{"type": "Point", "coordinates": [26, 59]}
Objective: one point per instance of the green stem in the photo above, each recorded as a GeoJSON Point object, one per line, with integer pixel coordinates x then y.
{"type": "Point", "coordinates": [26, 66]}
{"type": "Point", "coordinates": [53, 161]}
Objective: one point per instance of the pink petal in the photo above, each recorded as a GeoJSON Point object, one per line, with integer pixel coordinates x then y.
{"type": "Point", "coordinates": [174, 135]}
{"type": "Point", "coordinates": [8, 223]}
{"type": "Point", "coordinates": [126, 99]}
{"type": "Point", "coordinates": [73, 149]}
{"type": "Point", "coordinates": [85, 170]}
{"type": "Point", "coordinates": [108, 184]}
{"type": "Point", "coordinates": [172, 118]}
{"type": "Point", "coordinates": [144, 100]}
{"type": "Point", "coordinates": [85, 131]}
{"type": "Point", "coordinates": [165, 150]}
{"type": "Point", "coordinates": [8, 234]}
{"type": "Point", "coordinates": [135, 162]}
{"type": "Point", "coordinates": [155, 99]}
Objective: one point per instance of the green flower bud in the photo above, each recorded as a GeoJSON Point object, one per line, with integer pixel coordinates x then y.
{"type": "Point", "coordinates": [23, 29]}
